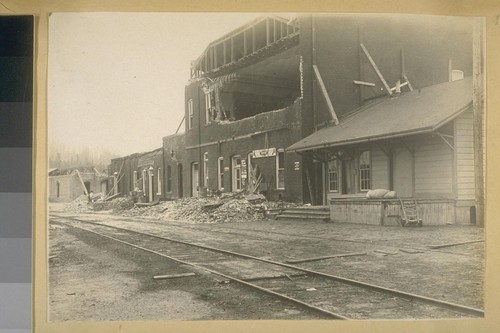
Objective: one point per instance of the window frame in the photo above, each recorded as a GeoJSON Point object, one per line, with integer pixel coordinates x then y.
{"type": "Point", "coordinates": [144, 174]}
{"type": "Point", "coordinates": [208, 106]}
{"type": "Point", "coordinates": [236, 173]}
{"type": "Point", "coordinates": [336, 178]}
{"type": "Point", "coordinates": [205, 170]}
{"type": "Point", "coordinates": [134, 180]}
{"type": "Point", "coordinates": [220, 173]}
{"type": "Point", "coordinates": [158, 181]}
{"type": "Point", "coordinates": [362, 172]}
{"type": "Point", "coordinates": [280, 152]}
{"type": "Point", "coordinates": [190, 113]}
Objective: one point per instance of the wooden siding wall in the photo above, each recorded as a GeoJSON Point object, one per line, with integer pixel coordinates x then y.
{"type": "Point", "coordinates": [433, 168]}
{"type": "Point", "coordinates": [380, 169]}
{"type": "Point", "coordinates": [464, 152]}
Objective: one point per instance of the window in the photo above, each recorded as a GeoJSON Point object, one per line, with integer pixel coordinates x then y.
{"type": "Point", "coordinates": [280, 169]}
{"type": "Point", "coordinates": [333, 176]}
{"type": "Point", "coordinates": [190, 114]}
{"type": "Point", "coordinates": [220, 172]}
{"type": "Point", "coordinates": [236, 166]}
{"type": "Point", "coordinates": [364, 171]}
{"type": "Point", "coordinates": [209, 109]}
{"type": "Point", "coordinates": [134, 180]}
{"type": "Point", "coordinates": [205, 170]}
{"type": "Point", "coordinates": [58, 189]}
{"type": "Point", "coordinates": [158, 181]}
{"type": "Point", "coordinates": [169, 178]}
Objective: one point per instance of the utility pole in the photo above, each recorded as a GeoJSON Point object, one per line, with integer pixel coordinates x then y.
{"type": "Point", "coordinates": [478, 104]}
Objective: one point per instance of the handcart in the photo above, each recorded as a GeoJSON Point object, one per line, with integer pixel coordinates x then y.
{"type": "Point", "coordinates": [409, 213]}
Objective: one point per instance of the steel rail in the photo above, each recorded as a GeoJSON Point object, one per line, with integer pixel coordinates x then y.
{"type": "Point", "coordinates": [293, 300]}
{"type": "Point", "coordinates": [414, 297]}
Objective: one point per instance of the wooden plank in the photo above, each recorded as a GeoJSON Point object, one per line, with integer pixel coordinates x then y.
{"type": "Point", "coordinates": [363, 83]}
{"type": "Point", "coordinates": [172, 276]}
{"type": "Point", "coordinates": [454, 244]}
{"type": "Point", "coordinates": [326, 257]}
{"type": "Point", "coordinates": [411, 251]}
{"type": "Point", "coordinates": [111, 197]}
{"type": "Point", "coordinates": [82, 182]}
{"type": "Point", "coordinates": [325, 95]}
{"type": "Point", "coordinates": [385, 252]}
{"type": "Point", "coordinates": [374, 65]}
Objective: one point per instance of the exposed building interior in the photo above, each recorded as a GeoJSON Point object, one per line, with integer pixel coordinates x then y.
{"type": "Point", "coordinates": [251, 70]}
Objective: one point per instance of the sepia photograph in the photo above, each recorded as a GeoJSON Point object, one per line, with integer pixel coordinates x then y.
{"type": "Point", "coordinates": [265, 166]}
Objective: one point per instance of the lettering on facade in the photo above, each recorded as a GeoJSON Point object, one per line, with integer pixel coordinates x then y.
{"type": "Point", "coordinates": [269, 152]}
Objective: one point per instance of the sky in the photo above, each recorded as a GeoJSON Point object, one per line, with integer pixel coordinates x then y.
{"type": "Point", "coordinates": [116, 80]}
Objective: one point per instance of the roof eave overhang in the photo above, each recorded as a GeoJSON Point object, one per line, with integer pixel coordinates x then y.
{"type": "Point", "coordinates": [392, 135]}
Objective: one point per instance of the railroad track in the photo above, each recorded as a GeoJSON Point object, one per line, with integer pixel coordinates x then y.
{"type": "Point", "coordinates": [328, 295]}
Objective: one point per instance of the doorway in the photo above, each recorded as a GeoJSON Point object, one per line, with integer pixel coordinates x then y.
{"type": "Point", "coordinates": [195, 179]}
{"type": "Point", "coordinates": [403, 172]}
{"type": "Point", "coordinates": [87, 186]}
{"type": "Point", "coordinates": [179, 180]}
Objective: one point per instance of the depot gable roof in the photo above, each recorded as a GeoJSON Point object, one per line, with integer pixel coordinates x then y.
{"type": "Point", "coordinates": [419, 111]}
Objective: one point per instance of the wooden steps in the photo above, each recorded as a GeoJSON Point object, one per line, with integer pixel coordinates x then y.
{"type": "Point", "coordinates": [315, 213]}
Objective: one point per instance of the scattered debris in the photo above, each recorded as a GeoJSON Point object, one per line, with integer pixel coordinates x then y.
{"type": "Point", "coordinates": [227, 207]}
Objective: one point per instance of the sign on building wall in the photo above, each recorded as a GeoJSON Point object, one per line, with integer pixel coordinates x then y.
{"type": "Point", "coordinates": [264, 152]}
{"type": "Point", "coordinates": [296, 165]}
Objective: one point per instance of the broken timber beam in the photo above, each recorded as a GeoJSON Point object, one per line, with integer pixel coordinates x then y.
{"type": "Point", "coordinates": [83, 183]}
{"type": "Point", "coordinates": [325, 94]}
{"type": "Point", "coordinates": [364, 83]}
{"type": "Point", "coordinates": [172, 276]}
{"type": "Point", "coordinates": [325, 257]}
{"type": "Point", "coordinates": [374, 65]}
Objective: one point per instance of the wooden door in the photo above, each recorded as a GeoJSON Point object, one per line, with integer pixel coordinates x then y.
{"type": "Point", "coordinates": [403, 172]}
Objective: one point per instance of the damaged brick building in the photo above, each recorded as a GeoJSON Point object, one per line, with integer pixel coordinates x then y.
{"type": "Point", "coordinates": [322, 108]}
{"type": "Point", "coordinates": [66, 185]}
